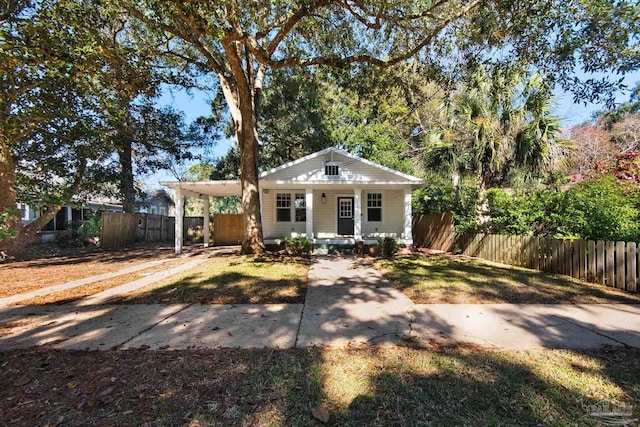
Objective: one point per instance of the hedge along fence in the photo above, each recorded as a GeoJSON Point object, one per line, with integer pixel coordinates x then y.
{"type": "Point", "coordinates": [614, 264]}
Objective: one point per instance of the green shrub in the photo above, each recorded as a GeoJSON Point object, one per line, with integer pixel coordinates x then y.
{"type": "Point", "coordinates": [297, 246]}
{"type": "Point", "coordinates": [600, 209]}
{"type": "Point", "coordinates": [90, 228]}
{"type": "Point", "coordinates": [438, 196]}
{"type": "Point", "coordinates": [8, 216]}
{"type": "Point", "coordinates": [387, 247]}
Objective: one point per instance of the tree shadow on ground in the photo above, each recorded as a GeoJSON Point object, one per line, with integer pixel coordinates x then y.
{"type": "Point", "coordinates": [241, 281]}
{"type": "Point", "coordinates": [475, 387]}
{"type": "Point", "coordinates": [373, 387]}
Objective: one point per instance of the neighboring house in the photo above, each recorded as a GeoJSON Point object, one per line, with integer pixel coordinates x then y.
{"type": "Point", "coordinates": [157, 202]}
{"type": "Point", "coordinates": [331, 197]}
{"type": "Point", "coordinates": [67, 214]}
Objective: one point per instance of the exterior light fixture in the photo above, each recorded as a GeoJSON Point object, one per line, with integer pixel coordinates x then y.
{"type": "Point", "coordinates": [323, 199]}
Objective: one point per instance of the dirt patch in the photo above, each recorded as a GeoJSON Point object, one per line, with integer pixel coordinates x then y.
{"type": "Point", "coordinates": [24, 276]}
{"type": "Point", "coordinates": [79, 292]}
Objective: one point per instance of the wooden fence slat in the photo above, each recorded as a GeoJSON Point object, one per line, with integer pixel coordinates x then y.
{"type": "Point", "coordinates": [542, 254]}
{"type": "Point", "coordinates": [631, 263]}
{"type": "Point", "coordinates": [583, 259]}
{"type": "Point", "coordinates": [620, 265]}
{"type": "Point", "coordinates": [600, 262]}
{"type": "Point", "coordinates": [591, 261]}
{"type": "Point", "coordinates": [568, 250]}
{"type": "Point", "coordinates": [548, 265]}
{"type": "Point", "coordinates": [554, 256]}
{"type": "Point", "coordinates": [575, 259]}
{"type": "Point", "coordinates": [610, 264]}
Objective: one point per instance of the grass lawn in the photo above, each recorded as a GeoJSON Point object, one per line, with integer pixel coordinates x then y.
{"type": "Point", "coordinates": [457, 279]}
{"type": "Point", "coordinates": [366, 387]}
{"type": "Point", "coordinates": [231, 280]}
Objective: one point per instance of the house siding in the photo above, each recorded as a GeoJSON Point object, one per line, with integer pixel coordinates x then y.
{"type": "Point", "coordinates": [325, 215]}
{"type": "Point", "coordinates": [350, 169]}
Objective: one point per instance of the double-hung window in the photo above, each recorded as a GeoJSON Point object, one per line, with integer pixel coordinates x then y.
{"type": "Point", "coordinates": [301, 207]}
{"type": "Point", "coordinates": [374, 207]}
{"type": "Point", "coordinates": [283, 207]}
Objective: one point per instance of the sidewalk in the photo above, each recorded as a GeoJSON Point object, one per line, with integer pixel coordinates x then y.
{"type": "Point", "coordinates": [347, 303]}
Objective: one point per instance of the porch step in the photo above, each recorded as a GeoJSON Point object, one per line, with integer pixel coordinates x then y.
{"type": "Point", "coordinates": [331, 248]}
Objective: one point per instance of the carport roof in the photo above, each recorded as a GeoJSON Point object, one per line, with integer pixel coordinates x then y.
{"type": "Point", "coordinates": [231, 187]}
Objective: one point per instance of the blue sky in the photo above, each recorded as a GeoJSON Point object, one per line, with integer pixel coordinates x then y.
{"type": "Point", "coordinates": [196, 103]}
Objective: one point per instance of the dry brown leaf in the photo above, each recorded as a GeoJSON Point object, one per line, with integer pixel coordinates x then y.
{"type": "Point", "coordinates": [24, 380]}
{"type": "Point", "coordinates": [320, 414]}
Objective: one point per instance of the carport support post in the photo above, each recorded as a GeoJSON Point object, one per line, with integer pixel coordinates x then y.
{"type": "Point", "coordinates": [408, 236]}
{"type": "Point", "coordinates": [206, 221]}
{"type": "Point", "coordinates": [357, 215]}
{"type": "Point", "coordinates": [308, 203]}
{"type": "Point", "coordinates": [179, 220]}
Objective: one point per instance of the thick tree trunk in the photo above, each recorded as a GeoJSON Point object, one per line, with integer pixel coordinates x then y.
{"type": "Point", "coordinates": [239, 92]}
{"type": "Point", "coordinates": [28, 233]}
{"type": "Point", "coordinates": [127, 188]}
{"type": "Point", "coordinates": [482, 206]}
{"type": "Point", "coordinates": [8, 193]}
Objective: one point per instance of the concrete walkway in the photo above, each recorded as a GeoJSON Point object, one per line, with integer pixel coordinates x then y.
{"type": "Point", "coordinates": [347, 303]}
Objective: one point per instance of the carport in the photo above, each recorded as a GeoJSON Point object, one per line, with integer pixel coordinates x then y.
{"type": "Point", "coordinates": [199, 190]}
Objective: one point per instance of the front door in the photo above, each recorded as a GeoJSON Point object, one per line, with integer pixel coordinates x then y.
{"type": "Point", "coordinates": [345, 216]}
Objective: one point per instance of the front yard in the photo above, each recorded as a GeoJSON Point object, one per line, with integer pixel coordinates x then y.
{"type": "Point", "coordinates": [231, 280]}
{"type": "Point", "coordinates": [52, 269]}
{"type": "Point", "coordinates": [367, 387]}
{"type": "Point", "coordinates": [456, 279]}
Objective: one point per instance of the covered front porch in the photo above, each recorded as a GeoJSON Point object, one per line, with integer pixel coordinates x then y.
{"type": "Point", "coordinates": [326, 214]}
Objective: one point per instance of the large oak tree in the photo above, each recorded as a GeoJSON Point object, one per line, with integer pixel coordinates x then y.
{"type": "Point", "coordinates": [240, 40]}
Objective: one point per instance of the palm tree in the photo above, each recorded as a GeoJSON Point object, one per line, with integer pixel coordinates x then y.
{"type": "Point", "coordinates": [498, 123]}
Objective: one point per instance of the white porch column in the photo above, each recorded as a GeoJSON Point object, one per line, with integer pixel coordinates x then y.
{"type": "Point", "coordinates": [206, 221]}
{"type": "Point", "coordinates": [407, 235]}
{"type": "Point", "coordinates": [179, 220]}
{"type": "Point", "coordinates": [69, 215]}
{"type": "Point", "coordinates": [357, 214]}
{"type": "Point", "coordinates": [308, 203]}
{"type": "Point", "coordinates": [261, 203]}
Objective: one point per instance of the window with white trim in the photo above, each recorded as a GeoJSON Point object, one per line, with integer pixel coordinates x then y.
{"type": "Point", "coordinates": [283, 207]}
{"type": "Point", "coordinates": [301, 207]}
{"type": "Point", "coordinates": [374, 207]}
{"type": "Point", "coordinates": [163, 211]}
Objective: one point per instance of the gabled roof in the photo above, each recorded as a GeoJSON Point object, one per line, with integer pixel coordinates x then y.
{"type": "Point", "coordinates": [343, 153]}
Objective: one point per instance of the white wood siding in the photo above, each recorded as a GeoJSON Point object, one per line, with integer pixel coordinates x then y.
{"type": "Point", "coordinates": [350, 170]}
{"type": "Point", "coordinates": [325, 215]}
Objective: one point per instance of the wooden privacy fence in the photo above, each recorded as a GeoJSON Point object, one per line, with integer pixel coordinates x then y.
{"type": "Point", "coordinates": [155, 228]}
{"type": "Point", "coordinates": [433, 231]}
{"type": "Point", "coordinates": [228, 229]}
{"type": "Point", "coordinates": [119, 229]}
{"type": "Point", "coordinates": [613, 264]}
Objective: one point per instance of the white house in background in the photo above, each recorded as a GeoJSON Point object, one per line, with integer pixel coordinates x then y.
{"type": "Point", "coordinates": [331, 197]}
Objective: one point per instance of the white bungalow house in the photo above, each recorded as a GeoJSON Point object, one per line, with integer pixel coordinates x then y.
{"type": "Point", "coordinates": [331, 197]}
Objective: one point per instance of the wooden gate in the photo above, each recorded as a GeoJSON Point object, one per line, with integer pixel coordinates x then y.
{"type": "Point", "coordinates": [434, 231]}
{"type": "Point", "coordinates": [228, 229]}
